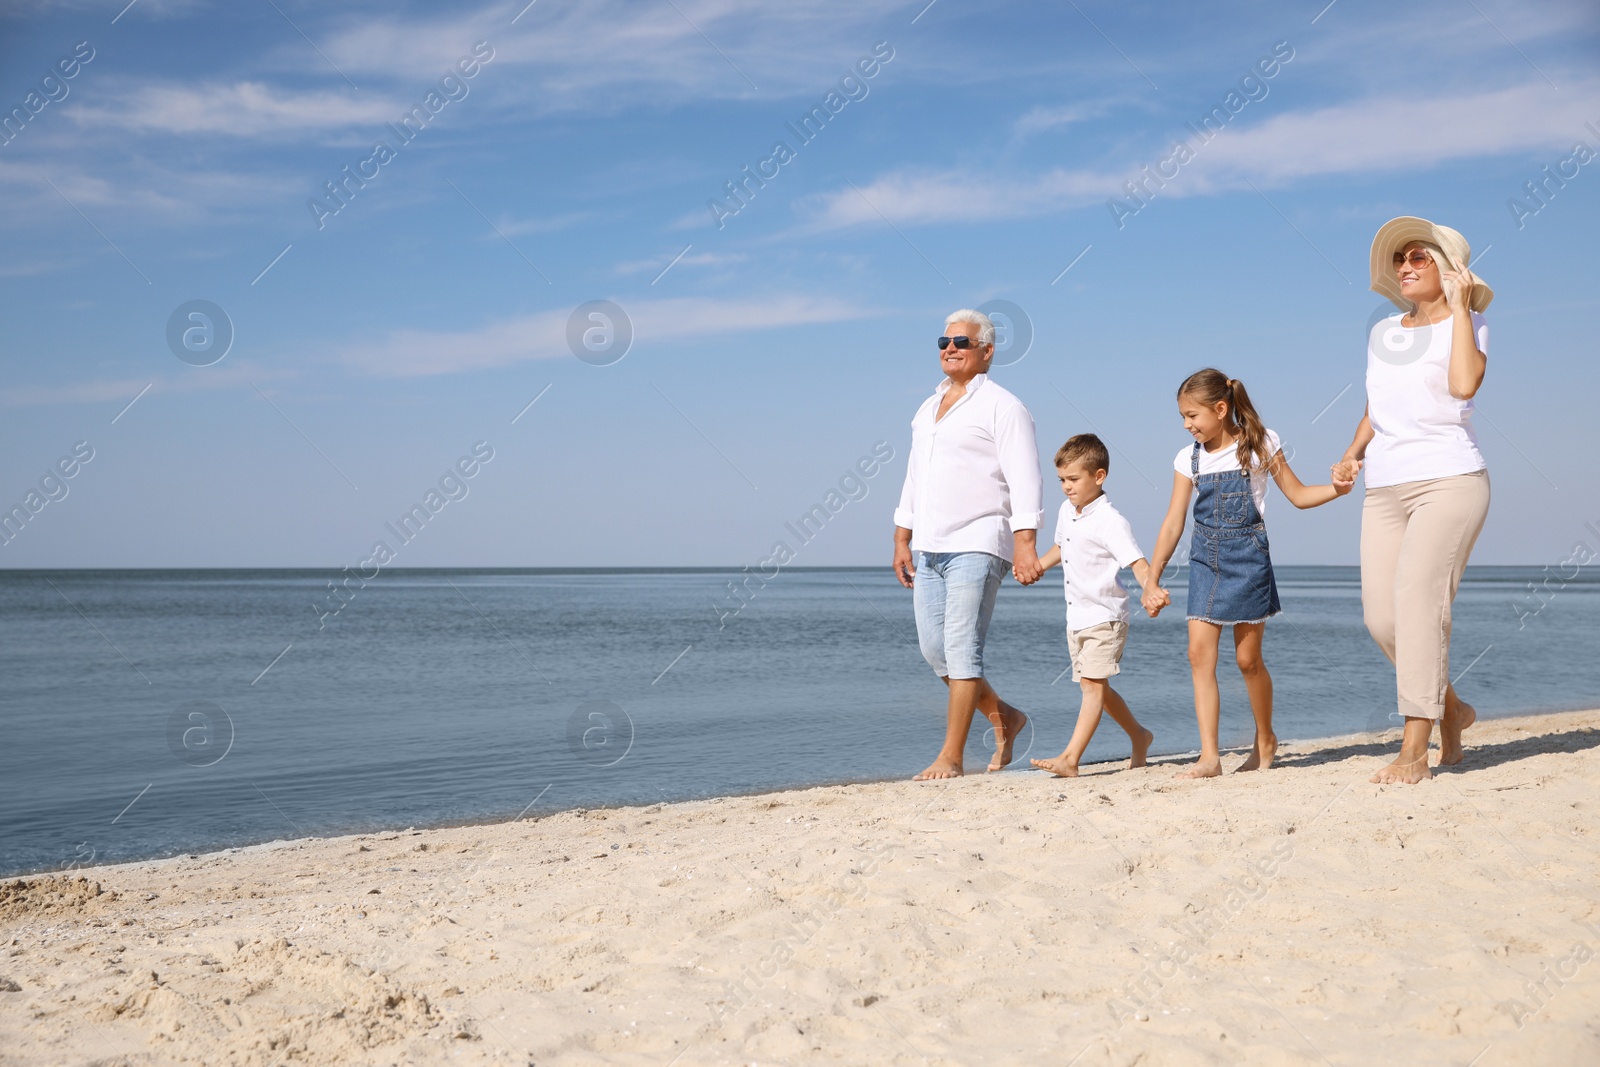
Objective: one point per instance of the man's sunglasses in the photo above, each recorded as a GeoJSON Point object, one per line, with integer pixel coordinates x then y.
{"type": "Point", "coordinates": [958, 342]}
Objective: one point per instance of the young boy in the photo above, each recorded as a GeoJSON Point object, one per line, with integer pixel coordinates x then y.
{"type": "Point", "coordinates": [1093, 541]}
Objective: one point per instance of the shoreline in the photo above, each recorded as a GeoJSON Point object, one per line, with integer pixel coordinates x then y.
{"type": "Point", "coordinates": [1266, 917]}
{"type": "Point", "coordinates": [1018, 767]}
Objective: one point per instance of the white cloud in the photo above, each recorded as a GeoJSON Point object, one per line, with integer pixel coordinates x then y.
{"type": "Point", "coordinates": [413, 353]}
{"type": "Point", "coordinates": [693, 259]}
{"type": "Point", "coordinates": [510, 227]}
{"type": "Point", "coordinates": [119, 391]}
{"type": "Point", "coordinates": [1042, 118]}
{"type": "Point", "coordinates": [243, 109]}
{"type": "Point", "coordinates": [1407, 133]}
{"type": "Point", "coordinates": [956, 196]}
{"type": "Point", "coordinates": [601, 53]}
{"type": "Point", "coordinates": [1397, 133]}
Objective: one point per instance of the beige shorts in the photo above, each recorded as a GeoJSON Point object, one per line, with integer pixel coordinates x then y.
{"type": "Point", "coordinates": [1096, 650]}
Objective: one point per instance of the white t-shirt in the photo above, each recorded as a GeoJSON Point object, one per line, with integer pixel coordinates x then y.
{"type": "Point", "coordinates": [1095, 544]}
{"type": "Point", "coordinates": [1420, 431]}
{"type": "Point", "coordinates": [1227, 459]}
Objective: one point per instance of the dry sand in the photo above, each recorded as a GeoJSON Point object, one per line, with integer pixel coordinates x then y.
{"type": "Point", "coordinates": [1298, 916]}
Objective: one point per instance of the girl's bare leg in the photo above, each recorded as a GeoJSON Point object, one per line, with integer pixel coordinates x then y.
{"type": "Point", "coordinates": [1204, 637]}
{"type": "Point", "coordinates": [1258, 683]}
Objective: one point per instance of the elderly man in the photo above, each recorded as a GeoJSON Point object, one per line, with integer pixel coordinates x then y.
{"type": "Point", "coordinates": [969, 510]}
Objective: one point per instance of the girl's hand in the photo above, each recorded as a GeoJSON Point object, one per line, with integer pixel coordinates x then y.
{"type": "Point", "coordinates": [1154, 600]}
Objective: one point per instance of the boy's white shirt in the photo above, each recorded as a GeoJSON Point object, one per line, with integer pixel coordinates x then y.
{"type": "Point", "coordinates": [1095, 544]}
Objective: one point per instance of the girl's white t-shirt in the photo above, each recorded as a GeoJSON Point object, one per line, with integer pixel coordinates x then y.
{"type": "Point", "coordinates": [1227, 459]}
{"type": "Point", "coordinates": [1420, 431]}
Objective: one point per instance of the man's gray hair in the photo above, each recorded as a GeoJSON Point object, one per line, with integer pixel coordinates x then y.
{"type": "Point", "coordinates": [975, 318]}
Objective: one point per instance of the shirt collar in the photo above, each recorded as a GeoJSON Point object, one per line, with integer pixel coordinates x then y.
{"type": "Point", "coordinates": [972, 386]}
{"type": "Point", "coordinates": [1094, 505]}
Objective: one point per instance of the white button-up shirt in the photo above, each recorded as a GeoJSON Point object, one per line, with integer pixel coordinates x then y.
{"type": "Point", "coordinates": [1095, 544]}
{"type": "Point", "coordinates": [973, 476]}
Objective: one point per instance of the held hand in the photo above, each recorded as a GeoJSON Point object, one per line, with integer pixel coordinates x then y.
{"type": "Point", "coordinates": [1344, 473]}
{"type": "Point", "coordinates": [904, 569]}
{"type": "Point", "coordinates": [1156, 599]}
{"type": "Point", "coordinates": [1026, 567]}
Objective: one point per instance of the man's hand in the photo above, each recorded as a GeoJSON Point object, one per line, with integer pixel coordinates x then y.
{"type": "Point", "coordinates": [1026, 567]}
{"type": "Point", "coordinates": [905, 568]}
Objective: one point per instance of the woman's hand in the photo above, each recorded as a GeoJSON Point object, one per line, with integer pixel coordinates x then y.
{"type": "Point", "coordinates": [1458, 286]}
{"type": "Point", "coordinates": [1344, 474]}
{"type": "Point", "coordinates": [1154, 600]}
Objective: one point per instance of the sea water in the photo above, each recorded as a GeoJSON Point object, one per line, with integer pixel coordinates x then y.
{"type": "Point", "coordinates": [149, 713]}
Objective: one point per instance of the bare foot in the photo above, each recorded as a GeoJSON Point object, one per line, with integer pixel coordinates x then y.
{"type": "Point", "coordinates": [1458, 715]}
{"type": "Point", "coordinates": [940, 768]}
{"type": "Point", "coordinates": [1202, 768]}
{"type": "Point", "coordinates": [1261, 755]}
{"type": "Point", "coordinates": [1141, 748]}
{"type": "Point", "coordinates": [1006, 732]}
{"type": "Point", "coordinates": [1061, 767]}
{"type": "Point", "coordinates": [1404, 772]}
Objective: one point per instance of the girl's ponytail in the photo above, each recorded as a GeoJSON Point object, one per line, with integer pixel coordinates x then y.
{"type": "Point", "coordinates": [1252, 434]}
{"type": "Point", "coordinates": [1209, 386]}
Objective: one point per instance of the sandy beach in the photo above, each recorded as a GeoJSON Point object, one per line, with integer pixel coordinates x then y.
{"type": "Point", "coordinates": [1297, 916]}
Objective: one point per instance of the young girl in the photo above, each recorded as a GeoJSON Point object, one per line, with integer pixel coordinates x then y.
{"type": "Point", "coordinates": [1230, 570]}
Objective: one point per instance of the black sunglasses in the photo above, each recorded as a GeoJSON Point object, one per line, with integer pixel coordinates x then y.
{"type": "Point", "coordinates": [958, 342]}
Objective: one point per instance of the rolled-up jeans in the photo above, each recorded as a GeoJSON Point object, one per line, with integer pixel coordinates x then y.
{"type": "Point", "coordinates": [954, 596]}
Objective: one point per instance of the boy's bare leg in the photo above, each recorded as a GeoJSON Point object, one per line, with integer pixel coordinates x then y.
{"type": "Point", "coordinates": [1204, 637]}
{"type": "Point", "coordinates": [1117, 708]}
{"type": "Point", "coordinates": [1258, 683]}
{"type": "Point", "coordinates": [1094, 699]}
{"type": "Point", "coordinates": [1458, 715]}
{"type": "Point", "coordinates": [1411, 766]}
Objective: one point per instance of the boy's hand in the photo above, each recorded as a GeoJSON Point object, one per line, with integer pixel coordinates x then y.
{"type": "Point", "coordinates": [1156, 599]}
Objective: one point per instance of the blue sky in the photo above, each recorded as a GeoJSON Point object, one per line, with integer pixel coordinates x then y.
{"type": "Point", "coordinates": [977, 163]}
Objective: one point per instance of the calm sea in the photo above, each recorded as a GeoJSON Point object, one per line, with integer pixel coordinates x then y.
{"type": "Point", "coordinates": [149, 713]}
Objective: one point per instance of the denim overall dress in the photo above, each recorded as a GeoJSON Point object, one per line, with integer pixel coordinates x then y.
{"type": "Point", "coordinates": [1230, 570]}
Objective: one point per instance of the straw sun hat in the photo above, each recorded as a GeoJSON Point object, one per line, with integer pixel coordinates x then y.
{"type": "Point", "coordinates": [1395, 234]}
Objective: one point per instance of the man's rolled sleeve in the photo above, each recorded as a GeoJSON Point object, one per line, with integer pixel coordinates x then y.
{"type": "Point", "coordinates": [906, 513]}
{"type": "Point", "coordinates": [1019, 464]}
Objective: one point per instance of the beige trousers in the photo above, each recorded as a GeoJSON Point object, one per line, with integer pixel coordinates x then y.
{"type": "Point", "coordinates": [1415, 540]}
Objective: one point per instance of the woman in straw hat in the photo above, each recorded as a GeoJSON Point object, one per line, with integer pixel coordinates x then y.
{"type": "Point", "coordinates": [1427, 484]}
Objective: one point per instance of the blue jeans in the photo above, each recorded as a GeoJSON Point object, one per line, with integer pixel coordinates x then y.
{"type": "Point", "coordinates": [954, 596]}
